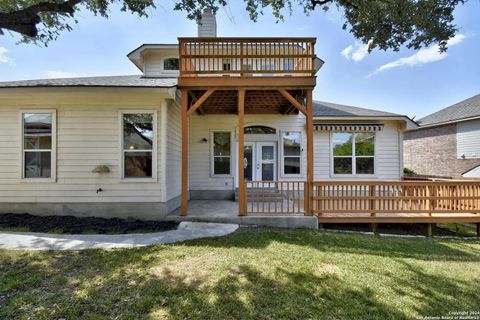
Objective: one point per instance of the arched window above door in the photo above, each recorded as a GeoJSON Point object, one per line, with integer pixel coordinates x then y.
{"type": "Point", "coordinates": [259, 130]}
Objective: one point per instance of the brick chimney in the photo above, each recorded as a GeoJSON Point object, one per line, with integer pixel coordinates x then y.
{"type": "Point", "coordinates": [207, 27]}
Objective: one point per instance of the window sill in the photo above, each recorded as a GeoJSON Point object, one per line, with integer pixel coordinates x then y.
{"type": "Point", "coordinates": [297, 176]}
{"type": "Point", "coordinates": [333, 175]}
{"type": "Point", "coordinates": [138, 180]}
{"type": "Point", "coordinates": [37, 180]}
{"type": "Point", "coordinates": [221, 176]}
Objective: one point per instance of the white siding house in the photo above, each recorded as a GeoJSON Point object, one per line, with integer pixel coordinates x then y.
{"type": "Point", "coordinates": [112, 146]}
{"type": "Point", "coordinates": [88, 134]}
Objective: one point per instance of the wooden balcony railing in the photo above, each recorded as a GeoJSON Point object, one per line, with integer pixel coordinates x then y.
{"type": "Point", "coordinates": [396, 197]}
{"type": "Point", "coordinates": [247, 56]}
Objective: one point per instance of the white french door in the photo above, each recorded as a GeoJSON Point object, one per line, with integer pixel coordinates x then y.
{"type": "Point", "coordinates": [259, 161]}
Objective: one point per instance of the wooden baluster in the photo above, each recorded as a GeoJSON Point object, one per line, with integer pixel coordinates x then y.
{"type": "Point", "coordinates": [281, 192]}
{"type": "Point", "coordinates": [251, 196]}
{"type": "Point", "coordinates": [298, 197]}
{"type": "Point", "coordinates": [275, 185]}
{"type": "Point", "coordinates": [269, 197]}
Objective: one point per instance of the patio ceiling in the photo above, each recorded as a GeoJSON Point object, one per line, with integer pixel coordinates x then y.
{"type": "Point", "coordinates": [256, 102]}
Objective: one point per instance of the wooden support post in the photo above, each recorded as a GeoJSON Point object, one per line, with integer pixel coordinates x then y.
{"type": "Point", "coordinates": [478, 230]}
{"type": "Point", "coordinates": [374, 227]}
{"type": "Point", "coordinates": [184, 199]}
{"type": "Point", "coordinates": [242, 203]}
{"type": "Point", "coordinates": [430, 230]}
{"type": "Point", "coordinates": [308, 192]}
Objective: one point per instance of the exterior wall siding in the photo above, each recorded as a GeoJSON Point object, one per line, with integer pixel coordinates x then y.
{"type": "Point", "coordinates": [88, 135]}
{"type": "Point", "coordinates": [433, 151]}
{"type": "Point", "coordinates": [468, 139]}
{"type": "Point", "coordinates": [200, 177]}
{"type": "Point", "coordinates": [153, 64]}
{"type": "Point", "coordinates": [173, 166]}
{"type": "Point", "coordinates": [388, 150]}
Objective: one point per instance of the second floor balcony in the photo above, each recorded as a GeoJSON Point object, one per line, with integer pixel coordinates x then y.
{"type": "Point", "coordinates": [247, 57]}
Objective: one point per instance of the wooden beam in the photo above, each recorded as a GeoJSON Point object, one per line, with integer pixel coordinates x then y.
{"type": "Point", "coordinates": [293, 101]}
{"type": "Point", "coordinates": [194, 99]}
{"type": "Point", "coordinates": [309, 114]}
{"type": "Point", "coordinates": [184, 196]}
{"type": "Point", "coordinates": [253, 83]}
{"type": "Point", "coordinates": [242, 199]}
{"type": "Point", "coordinates": [199, 102]}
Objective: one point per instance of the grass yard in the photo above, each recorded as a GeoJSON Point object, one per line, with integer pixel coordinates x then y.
{"type": "Point", "coordinates": [251, 274]}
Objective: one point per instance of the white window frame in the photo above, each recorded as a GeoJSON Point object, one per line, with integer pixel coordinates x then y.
{"type": "Point", "coordinates": [293, 175]}
{"type": "Point", "coordinates": [212, 155]}
{"type": "Point", "coordinates": [53, 150]}
{"type": "Point", "coordinates": [154, 147]}
{"type": "Point", "coordinates": [170, 71]}
{"type": "Point", "coordinates": [354, 157]}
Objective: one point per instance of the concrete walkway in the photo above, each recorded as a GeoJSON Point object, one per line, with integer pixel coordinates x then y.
{"type": "Point", "coordinates": [45, 241]}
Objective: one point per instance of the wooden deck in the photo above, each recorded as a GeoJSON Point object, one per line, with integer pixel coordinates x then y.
{"type": "Point", "coordinates": [399, 218]}
{"type": "Point", "coordinates": [369, 201]}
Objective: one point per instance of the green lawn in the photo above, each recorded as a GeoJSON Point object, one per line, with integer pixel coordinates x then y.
{"type": "Point", "coordinates": [253, 273]}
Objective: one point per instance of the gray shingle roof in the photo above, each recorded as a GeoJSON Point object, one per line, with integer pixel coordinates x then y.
{"type": "Point", "coordinates": [465, 109]}
{"type": "Point", "coordinates": [112, 81]}
{"type": "Point", "coordinates": [328, 109]}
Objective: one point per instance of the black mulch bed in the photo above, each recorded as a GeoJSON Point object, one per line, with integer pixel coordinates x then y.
{"type": "Point", "coordinates": [79, 225]}
{"type": "Point", "coordinates": [393, 228]}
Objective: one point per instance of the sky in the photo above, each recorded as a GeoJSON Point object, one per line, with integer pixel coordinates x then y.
{"type": "Point", "coordinates": [414, 83]}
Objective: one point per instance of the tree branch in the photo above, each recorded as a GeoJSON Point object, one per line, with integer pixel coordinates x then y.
{"type": "Point", "coordinates": [25, 21]}
{"type": "Point", "coordinates": [319, 2]}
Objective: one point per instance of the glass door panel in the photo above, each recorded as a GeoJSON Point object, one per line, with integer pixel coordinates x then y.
{"type": "Point", "coordinates": [248, 163]}
{"type": "Point", "coordinates": [267, 162]}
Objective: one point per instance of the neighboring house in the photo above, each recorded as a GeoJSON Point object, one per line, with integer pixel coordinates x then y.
{"type": "Point", "coordinates": [447, 143]}
{"type": "Point", "coordinates": [55, 133]}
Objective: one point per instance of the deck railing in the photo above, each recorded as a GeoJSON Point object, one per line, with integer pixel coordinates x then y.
{"type": "Point", "coordinates": [396, 197]}
{"type": "Point", "coordinates": [270, 197]}
{"type": "Point", "coordinates": [246, 56]}
{"type": "Point", "coordinates": [363, 197]}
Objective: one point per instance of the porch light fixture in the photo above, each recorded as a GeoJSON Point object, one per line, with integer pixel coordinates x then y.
{"type": "Point", "coordinates": [204, 140]}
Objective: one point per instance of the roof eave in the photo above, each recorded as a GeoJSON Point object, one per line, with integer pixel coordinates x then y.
{"type": "Point", "coordinates": [136, 54]}
{"type": "Point", "coordinates": [437, 124]}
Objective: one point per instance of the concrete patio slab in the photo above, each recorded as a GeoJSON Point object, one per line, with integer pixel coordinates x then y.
{"type": "Point", "coordinates": [45, 241]}
{"type": "Point", "coordinates": [224, 211]}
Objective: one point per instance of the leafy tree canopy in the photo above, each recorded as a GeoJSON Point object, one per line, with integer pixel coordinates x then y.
{"type": "Point", "coordinates": [383, 24]}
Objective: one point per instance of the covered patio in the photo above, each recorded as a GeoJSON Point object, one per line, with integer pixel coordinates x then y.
{"type": "Point", "coordinates": [246, 76]}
